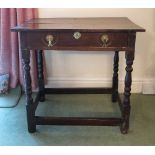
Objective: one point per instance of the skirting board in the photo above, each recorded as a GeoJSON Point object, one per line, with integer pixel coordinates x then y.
{"type": "Point", "coordinates": [138, 86]}
{"type": "Point", "coordinates": [148, 86]}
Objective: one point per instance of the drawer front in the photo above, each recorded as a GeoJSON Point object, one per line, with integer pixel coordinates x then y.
{"type": "Point", "coordinates": [76, 40]}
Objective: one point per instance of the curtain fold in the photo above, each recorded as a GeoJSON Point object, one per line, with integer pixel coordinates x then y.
{"type": "Point", "coordinates": [10, 55]}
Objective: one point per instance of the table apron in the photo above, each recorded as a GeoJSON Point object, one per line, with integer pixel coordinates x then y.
{"type": "Point", "coordinates": [90, 41]}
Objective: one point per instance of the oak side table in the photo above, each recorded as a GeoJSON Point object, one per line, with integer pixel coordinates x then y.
{"type": "Point", "coordinates": [83, 34]}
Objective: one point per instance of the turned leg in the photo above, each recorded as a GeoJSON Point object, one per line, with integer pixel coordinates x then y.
{"type": "Point", "coordinates": [40, 76]}
{"type": "Point", "coordinates": [126, 101]}
{"type": "Point", "coordinates": [28, 91]}
{"type": "Point", "coordinates": [115, 77]}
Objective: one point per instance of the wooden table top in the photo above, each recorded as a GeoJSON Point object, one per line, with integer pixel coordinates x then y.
{"type": "Point", "coordinates": [96, 24]}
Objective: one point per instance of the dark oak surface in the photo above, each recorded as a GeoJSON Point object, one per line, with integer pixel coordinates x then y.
{"type": "Point", "coordinates": [66, 41]}
{"type": "Point", "coordinates": [96, 34]}
{"type": "Point", "coordinates": [82, 24]}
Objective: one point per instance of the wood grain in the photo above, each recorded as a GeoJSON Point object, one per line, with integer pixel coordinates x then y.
{"type": "Point", "coordinates": [83, 24]}
{"type": "Point", "coordinates": [121, 34]}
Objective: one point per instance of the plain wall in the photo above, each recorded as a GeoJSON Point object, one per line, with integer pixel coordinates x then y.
{"type": "Point", "coordinates": [94, 69]}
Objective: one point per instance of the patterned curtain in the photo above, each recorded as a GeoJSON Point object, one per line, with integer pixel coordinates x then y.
{"type": "Point", "coordinates": [10, 54]}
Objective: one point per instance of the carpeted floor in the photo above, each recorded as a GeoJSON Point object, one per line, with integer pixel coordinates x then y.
{"type": "Point", "coordinates": [13, 126]}
{"type": "Point", "coordinates": [10, 99]}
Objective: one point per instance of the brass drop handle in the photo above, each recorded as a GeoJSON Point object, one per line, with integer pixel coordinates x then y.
{"type": "Point", "coordinates": [105, 40]}
{"type": "Point", "coordinates": [50, 40]}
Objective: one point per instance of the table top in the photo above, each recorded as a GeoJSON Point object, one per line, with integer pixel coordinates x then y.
{"type": "Point", "coordinates": [96, 24]}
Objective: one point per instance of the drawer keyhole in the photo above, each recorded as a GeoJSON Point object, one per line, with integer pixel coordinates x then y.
{"type": "Point", "coordinates": [77, 35]}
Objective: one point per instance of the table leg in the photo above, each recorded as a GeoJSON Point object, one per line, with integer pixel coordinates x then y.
{"type": "Point", "coordinates": [115, 77]}
{"type": "Point", "coordinates": [40, 75]}
{"type": "Point", "coordinates": [126, 101]}
{"type": "Point", "coordinates": [28, 91]}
